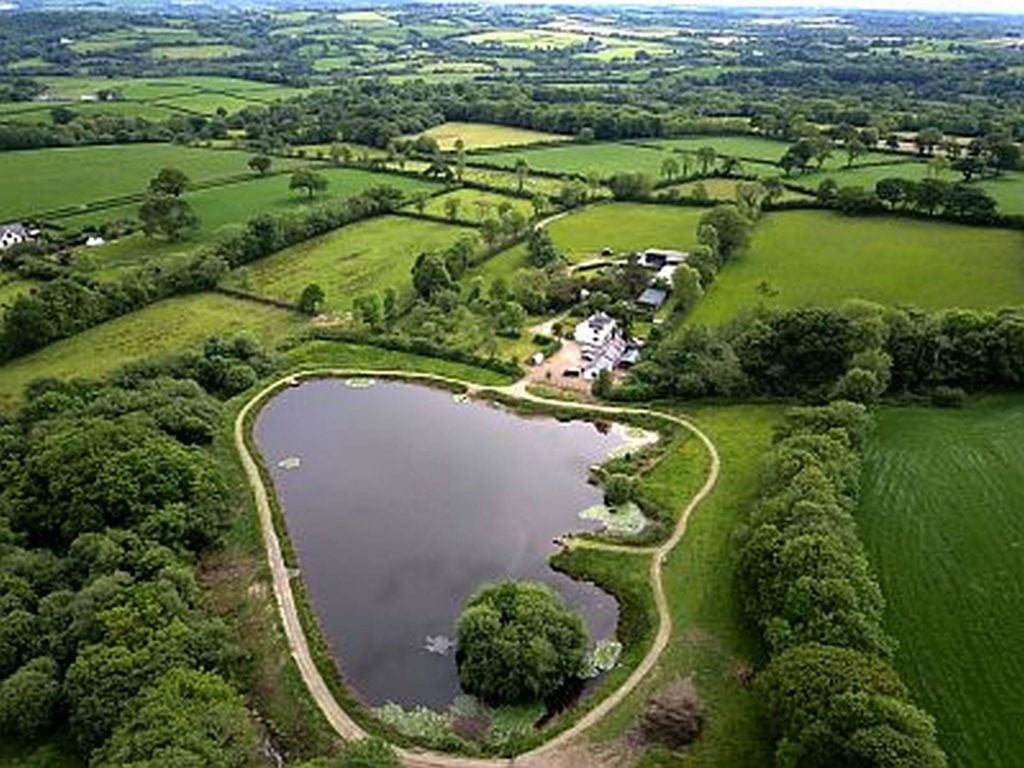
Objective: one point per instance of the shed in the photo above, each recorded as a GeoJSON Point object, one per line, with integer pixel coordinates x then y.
{"type": "Point", "coordinates": [652, 298]}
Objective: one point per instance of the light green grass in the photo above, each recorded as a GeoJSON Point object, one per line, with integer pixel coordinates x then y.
{"type": "Point", "coordinates": [475, 205]}
{"type": "Point", "coordinates": [12, 288]}
{"type": "Point", "coordinates": [709, 638]}
{"type": "Point", "coordinates": [484, 135]}
{"type": "Point", "coordinates": [942, 513]}
{"type": "Point", "coordinates": [816, 257]}
{"type": "Point", "coordinates": [724, 189]}
{"type": "Point", "coordinates": [602, 159]}
{"type": "Point", "coordinates": [753, 147]}
{"type": "Point", "coordinates": [336, 354]}
{"type": "Point", "coordinates": [625, 227]}
{"type": "Point", "coordinates": [180, 52]}
{"type": "Point", "coordinates": [208, 103]}
{"type": "Point", "coordinates": [361, 258]}
{"type": "Point", "coordinates": [162, 328]}
{"type": "Point", "coordinates": [1008, 191]}
{"type": "Point", "coordinates": [49, 179]}
{"type": "Point", "coordinates": [222, 211]}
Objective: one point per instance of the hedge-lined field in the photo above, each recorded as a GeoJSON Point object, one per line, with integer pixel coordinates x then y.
{"type": "Point", "coordinates": [943, 519]}
{"type": "Point", "coordinates": [351, 261]}
{"type": "Point", "coordinates": [625, 227]}
{"type": "Point", "coordinates": [483, 135]}
{"type": "Point", "coordinates": [222, 210]}
{"type": "Point", "coordinates": [604, 159]}
{"type": "Point", "coordinates": [163, 328]}
{"type": "Point", "coordinates": [474, 205]}
{"type": "Point", "coordinates": [48, 179]}
{"type": "Point", "coordinates": [819, 257]}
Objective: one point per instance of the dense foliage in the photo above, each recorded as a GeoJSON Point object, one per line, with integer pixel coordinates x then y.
{"type": "Point", "coordinates": [106, 499]}
{"type": "Point", "coordinates": [518, 643]}
{"type": "Point", "coordinates": [858, 351]}
{"type": "Point", "coordinates": [807, 586]}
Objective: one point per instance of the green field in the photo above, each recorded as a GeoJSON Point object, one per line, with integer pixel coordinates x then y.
{"type": "Point", "coordinates": [723, 189]}
{"type": "Point", "coordinates": [752, 147]}
{"type": "Point", "coordinates": [361, 258]}
{"type": "Point", "coordinates": [50, 179]}
{"type": "Point", "coordinates": [475, 205]}
{"type": "Point", "coordinates": [625, 227]}
{"type": "Point", "coordinates": [602, 159]}
{"type": "Point", "coordinates": [179, 52]}
{"type": "Point", "coordinates": [223, 210]}
{"type": "Point", "coordinates": [162, 328]}
{"type": "Point", "coordinates": [484, 135]}
{"type": "Point", "coordinates": [942, 514]}
{"type": "Point", "coordinates": [815, 257]}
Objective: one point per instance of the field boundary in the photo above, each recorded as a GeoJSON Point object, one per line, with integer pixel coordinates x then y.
{"type": "Point", "coordinates": [340, 721]}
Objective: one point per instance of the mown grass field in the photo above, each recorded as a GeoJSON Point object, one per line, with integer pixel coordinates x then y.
{"type": "Point", "coordinates": [942, 514]}
{"type": "Point", "coordinates": [223, 210]}
{"type": "Point", "coordinates": [710, 640]}
{"type": "Point", "coordinates": [817, 257]}
{"type": "Point", "coordinates": [49, 179]}
{"type": "Point", "coordinates": [625, 227]}
{"type": "Point", "coordinates": [361, 258]}
{"type": "Point", "coordinates": [209, 51]}
{"type": "Point", "coordinates": [602, 159]}
{"type": "Point", "coordinates": [723, 189]}
{"type": "Point", "coordinates": [484, 135]}
{"type": "Point", "coordinates": [474, 204]}
{"type": "Point", "coordinates": [159, 329]}
{"type": "Point", "coordinates": [1007, 190]}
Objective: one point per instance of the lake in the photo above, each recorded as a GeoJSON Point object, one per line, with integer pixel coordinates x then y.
{"type": "Point", "coordinates": [402, 501]}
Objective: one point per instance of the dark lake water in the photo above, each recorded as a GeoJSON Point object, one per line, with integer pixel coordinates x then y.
{"type": "Point", "coordinates": [405, 502]}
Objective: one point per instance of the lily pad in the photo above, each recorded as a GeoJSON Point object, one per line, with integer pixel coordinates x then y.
{"type": "Point", "coordinates": [360, 383]}
{"type": "Point", "coordinates": [624, 520]}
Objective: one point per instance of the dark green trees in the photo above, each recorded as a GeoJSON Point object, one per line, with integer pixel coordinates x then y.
{"type": "Point", "coordinates": [518, 642]}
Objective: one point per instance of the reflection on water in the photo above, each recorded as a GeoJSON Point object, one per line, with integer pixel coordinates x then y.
{"type": "Point", "coordinates": [404, 501]}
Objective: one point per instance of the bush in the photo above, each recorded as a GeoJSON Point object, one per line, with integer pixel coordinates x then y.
{"type": "Point", "coordinates": [675, 717]}
{"type": "Point", "coordinates": [518, 643]}
{"type": "Point", "coordinates": [948, 397]}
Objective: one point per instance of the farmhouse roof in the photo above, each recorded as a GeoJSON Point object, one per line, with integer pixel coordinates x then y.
{"type": "Point", "coordinates": [652, 297]}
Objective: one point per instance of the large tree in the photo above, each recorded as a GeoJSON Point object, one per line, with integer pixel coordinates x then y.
{"type": "Point", "coordinates": [518, 642]}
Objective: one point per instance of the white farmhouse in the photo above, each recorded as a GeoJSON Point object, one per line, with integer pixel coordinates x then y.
{"type": "Point", "coordinates": [12, 235]}
{"type": "Point", "coordinates": [601, 344]}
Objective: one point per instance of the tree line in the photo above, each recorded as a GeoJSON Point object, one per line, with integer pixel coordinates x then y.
{"type": "Point", "coordinates": [829, 692]}
{"type": "Point", "coordinates": [72, 303]}
{"type": "Point", "coordinates": [858, 351]}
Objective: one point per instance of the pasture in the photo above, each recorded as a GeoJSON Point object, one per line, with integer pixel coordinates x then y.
{"type": "Point", "coordinates": [222, 210]}
{"type": "Point", "coordinates": [721, 189]}
{"type": "Point", "coordinates": [625, 227]}
{"type": "Point", "coordinates": [485, 135]}
{"type": "Point", "coordinates": [602, 159]}
{"type": "Point", "coordinates": [943, 520]}
{"type": "Point", "coordinates": [474, 205]}
{"type": "Point", "coordinates": [814, 257]}
{"type": "Point", "coordinates": [183, 52]}
{"type": "Point", "coordinates": [361, 258]}
{"type": "Point", "coordinates": [159, 329]}
{"type": "Point", "coordinates": [52, 179]}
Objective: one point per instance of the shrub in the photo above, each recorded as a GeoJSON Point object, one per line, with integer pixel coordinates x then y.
{"type": "Point", "coordinates": [518, 642]}
{"type": "Point", "coordinates": [948, 397]}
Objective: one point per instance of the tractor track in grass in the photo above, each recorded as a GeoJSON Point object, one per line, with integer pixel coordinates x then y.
{"type": "Point", "coordinates": [546, 754]}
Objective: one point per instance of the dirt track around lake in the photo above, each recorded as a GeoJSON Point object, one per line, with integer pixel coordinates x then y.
{"type": "Point", "coordinates": [546, 755]}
